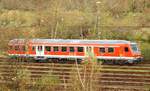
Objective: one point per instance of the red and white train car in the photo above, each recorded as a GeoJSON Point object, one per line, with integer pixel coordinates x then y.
{"type": "Point", "coordinates": [41, 49]}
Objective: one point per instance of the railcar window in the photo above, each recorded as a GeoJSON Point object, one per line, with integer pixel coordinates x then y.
{"type": "Point", "coordinates": [102, 50]}
{"type": "Point", "coordinates": [39, 48]}
{"type": "Point", "coordinates": [48, 48]}
{"type": "Point", "coordinates": [56, 49]}
{"type": "Point", "coordinates": [80, 49]}
{"type": "Point", "coordinates": [64, 49]}
{"type": "Point", "coordinates": [23, 48]}
{"type": "Point", "coordinates": [17, 48]}
{"type": "Point", "coordinates": [126, 49]}
{"type": "Point", "coordinates": [33, 48]}
{"type": "Point", "coordinates": [10, 47]}
{"type": "Point", "coordinates": [71, 49]}
{"type": "Point", "coordinates": [134, 47]}
{"type": "Point", "coordinates": [111, 50]}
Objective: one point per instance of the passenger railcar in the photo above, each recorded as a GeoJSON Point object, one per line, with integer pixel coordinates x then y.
{"type": "Point", "coordinates": [118, 51]}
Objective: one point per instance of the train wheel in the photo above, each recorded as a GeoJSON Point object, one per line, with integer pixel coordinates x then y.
{"type": "Point", "coordinates": [63, 61]}
{"type": "Point", "coordinates": [55, 60]}
{"type": "Point", "coordinates": [100, 61]}
{"type": "Point", "coordinates": [104, 62]}
{"type": "Point", "coordinates": [130, 62]}
{"type": "Point", "coordinates": [121, 62]}
{"type": "Point", "coordinates": [49, 60]}
{"type": "Point", "coordinates": [109, 62]}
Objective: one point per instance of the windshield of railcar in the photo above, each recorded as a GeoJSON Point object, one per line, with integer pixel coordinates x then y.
{"type": "Point", "coordinates": [134, 48]}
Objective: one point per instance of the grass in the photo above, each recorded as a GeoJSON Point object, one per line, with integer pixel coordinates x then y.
{"type": "Point", "coordinates": [47, 82]}
{"type": "Point", "coordinates": [20, 80]}
{"type": "Point", "coordinates": [3, 54]}
{"type": "Point", "coordinates": [86, 81]}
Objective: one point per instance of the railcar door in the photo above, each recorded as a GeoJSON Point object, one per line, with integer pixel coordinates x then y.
{"type": "Point", "coordinates": [89, 51]}
{"type": "Point", "coordinates": [39, 50]}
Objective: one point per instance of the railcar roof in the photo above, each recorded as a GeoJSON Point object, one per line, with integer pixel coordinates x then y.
{"type": "Point", "coordinates": [70, 41]}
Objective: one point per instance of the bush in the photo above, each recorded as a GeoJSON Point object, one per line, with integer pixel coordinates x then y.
{"type": "Point", "coordinates": [145, 49]}
{"type": "Point", "coordinates": [47, 82]}
{"type": "Point", "coordinates": [87, 77]}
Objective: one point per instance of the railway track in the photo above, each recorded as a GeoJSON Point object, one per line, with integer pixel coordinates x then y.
{"type": "Point", "coordinates": [109, 77]}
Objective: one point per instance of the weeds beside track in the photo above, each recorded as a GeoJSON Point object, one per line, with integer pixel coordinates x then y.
{"type": "Point", "coordinates": [110, 77]}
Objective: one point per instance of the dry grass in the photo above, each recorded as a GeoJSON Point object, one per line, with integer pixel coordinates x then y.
{"type": "Point", "coordinates": [86, 78]}
{"type": "Point", "coordinates": [20, 80]}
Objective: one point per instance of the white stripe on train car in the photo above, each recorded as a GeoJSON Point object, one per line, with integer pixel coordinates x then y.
{"type": "Point", "coordinates": [67, 56]}
{"type": "Point", "coordinates": [99, 57]}
{"type": "Point", "coordinates": [114, 57]}
{"type": "Point", "coordinates": [17, 54]}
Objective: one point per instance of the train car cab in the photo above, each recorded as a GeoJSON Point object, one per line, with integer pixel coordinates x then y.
{"type": "Point", "coordinates": [136, 53]}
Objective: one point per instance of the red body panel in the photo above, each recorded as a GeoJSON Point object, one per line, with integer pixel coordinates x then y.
{"type": "Point", "coordinates": [30, 51]}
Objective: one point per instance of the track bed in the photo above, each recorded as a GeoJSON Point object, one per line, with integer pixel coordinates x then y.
{"type": "Point", "coordinates": [110, 77]}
